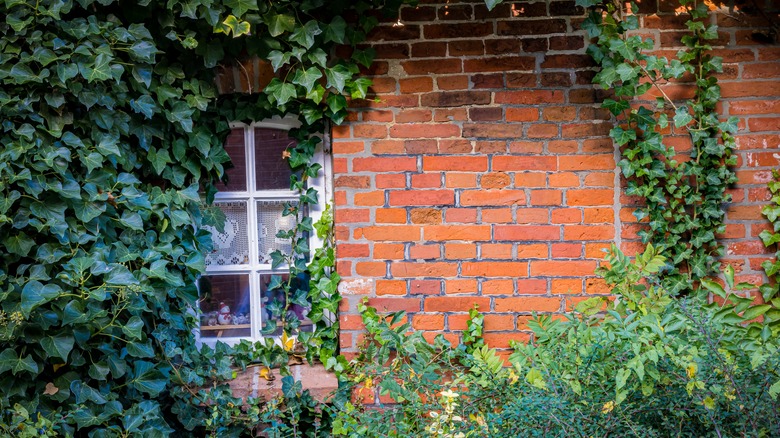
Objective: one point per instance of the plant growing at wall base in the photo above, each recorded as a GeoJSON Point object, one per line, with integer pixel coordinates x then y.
{"type": "Point", "coordinates": [682, 193]}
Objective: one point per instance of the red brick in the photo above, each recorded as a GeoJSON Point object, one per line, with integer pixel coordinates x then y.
{"type": "Point", "coordinates": [389, 251]}
{"type": "Point", "coordinates": [426, 181]}
{"type": "Point", "coordinates": [352, 215]}
{"type": "Point", "coordinates": [424, 252]}
{"type": "Point", "coordinates": [391, 181]}
{"type": "Point", "coordinates": [496, 251]}
{"type": "Point", "coordinates": [437, 66]}
{"type": "Point", "coordinates": [531, 27]}
{"type": "Point", "coordinates": [496, 215]}
{"type": "Point", "coordinates": [395, 304]}
{"type": "Point", "coordinates": [522, 114]}
{"type": "Point", "coordinates": [356, 182]}
{"type": "Point", "coordinates": [375, 198]}
{"type": "Point", "coordinates": [532, 251]}
{"type": "Point", "coordinates": [492, 130]}
{"type": "Point", "coordinates": [461, 215]}
{"type": "Point", "coordinates": [348, 147]}
{"type": "Point", "coordinates": [546, 197]}
{"type": "Point", "coordinates": [566, 250]}
{"type": "Point", "coordinates": [566, 216]}
{"type": "Point", "coordinates": [374, 164]}
{"type": "Point", "coordinates": [457, 232]}
{"type": "Point", "coordinates": [460, 287]}
{"type": "Point", "coordinates": [586, 162]}
{"type": "Point", "coordinates": [371, 269]}
{"type": "Point", "coordinates": [455, 304]}
{"type": "Point", "coordinates": [501, 64]}
{"type": "Point", "coordinates": [416, 85]}
{"type": "Point", "coordinates": [346, 250]}
{"type": "Point", "coordinates": [389, 233]}
{"type": "Point", "coordinates": [390, 287]}
{"type": "Point", "coordinates": [424, 131]}
{"type": "Point", "coordinates": [529, 97]}
{"type": "Point", "coordinates": [426, 216]}
{"type": "Point", "coordinates": [466, 48]}
{"type": "Point", "coordinates": [494, 269]}
{"type": "Point", "coordinates": [426, 269]}
{"type": "Point", "coordinates": [426, 321]}
{"type": "Point", "coordinates": [422, 197]}
{"type": "Point", "coordinates": [460, 180]}
{"type": "Point", "coordinates": [590, 197]}
{"type": "Point", "coordinates": [524, 163]}
{"type": "Point", "coordinates": [499, 287]}
{"type": "Point", "coordinates": [526, 232]}
{"type": "Point", "coordinates": [505, 340]}
{"type": "Point", "coordinates": [588, 232]}
{"type": "Point", "coordinates": [457, 30]}
{"type": "Point", "coordinates": [425, 287]}
{"type": "Point", "coordinates": [414, 115]}
{"type": "Point", "coordinates": [464, 164]}
{"type": "Point", "coordinates": [460, 251]}
{"type": "Point", "coordinates": [492, 197]}
{"type": "Point", "coordinates": [527, 304]}
{"type": "Point", "coordinates": [556, 268]}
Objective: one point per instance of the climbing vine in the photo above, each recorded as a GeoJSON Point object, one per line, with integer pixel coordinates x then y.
{"type": "Point", "coordinates": [682, 191]}
{"type": "Point", "coordinates": [112, 133]}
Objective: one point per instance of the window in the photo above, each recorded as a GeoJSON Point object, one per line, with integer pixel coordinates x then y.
{"type": "Point", "coordinates": [235, 290]}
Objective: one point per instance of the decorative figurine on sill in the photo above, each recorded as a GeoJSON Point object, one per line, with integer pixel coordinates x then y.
{"type": "Point", "coordinates": [212, 318]}
{"type": "Point", "coordinates": [240, 318]}
{"type": "Point", "coordinates": [224, 317]}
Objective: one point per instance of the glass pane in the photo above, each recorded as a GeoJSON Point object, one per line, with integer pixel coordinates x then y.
{"type": "Point", "coordinates": [236, 176]}
{"type": "Point", "coordinates": [225, 306]}
{"type": "Point", "coordinates": [272, 170]}
{"type": "Point", "coordinates": [230, 247]}
{"type": "Point", "coordinates": [274, 303]}
{"type": "Point", "coordinates": [269, 222]}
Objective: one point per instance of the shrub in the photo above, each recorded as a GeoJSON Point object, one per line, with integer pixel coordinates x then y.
{"type": "Point", "coordinates": [641, 365]}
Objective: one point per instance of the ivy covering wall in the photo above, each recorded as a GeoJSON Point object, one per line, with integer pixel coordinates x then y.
{"type": "Point", "coordinates": [112, 133]}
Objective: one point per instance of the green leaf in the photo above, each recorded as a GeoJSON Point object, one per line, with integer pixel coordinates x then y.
{"type": "Point", "coordinates": [622, 136]}
{"type": "Point", "coordinates": [19, 244]}
{"type": "Point", "coordinates": [100, 70]}
{"type": "Point", "coordinates": [133, 328]}
{"type": "Point", "coordinates": [240, 7]}
{"type": "Point", "coordinates": [143, 51]}
{"type": "Point", "coordinates": [307, 78]}
{"type": "Point", "coordinates": [337, 76]}
{"type": "Point", "coordinates": [59, 346]}
{"type": "Point", "coordinates": [120, 275]}
{"type": "Point", "coordinates": [335, 30]}
{"type": "Point", "coordinates": [10, 360]}
{"type": "Point", "coordinates": [147, 378]}
{"type": "Point", "coordinates": [756, 311]}
{"type": "Point", "coordinates": [682, 117]}
{"type": "Point", "coordinates": [304, 35]}
{"type": "Point", "coordinates": [35, 294]}
{"type": "Point", "coordinates": [492, 4]}
{"type": "Point", "coordinates": [279, 24]}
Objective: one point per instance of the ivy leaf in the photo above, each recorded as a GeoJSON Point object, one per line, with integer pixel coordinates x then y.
{"type": "Point", "coordinates": [132, 220]}
{"type": "Point", "coordinates": [11, 360]}
{"type": "Point", "coordinates": [100, 70]}
{"type": "Point", "coordinates": [682, 117]}
{"type": "Point", "coordinates": [120, 275]}
{"type": "Point", "coordinates": [622, 136]}
{"type": "Point", "coordinates": [144, 105]}
{"type": "Point", "coordinates": [59, 346]}
{"type": "Point", "coordinates": [615, 106]}
{"type": "Point", "coordinates": [626, 72]}
{"type": "Point", "coordinates": [337, 77]}
{"type": "Point", "coordinates": [279, 24]}
{"type": "Point", "coordinates": [143, 51]}
{"type": "Point", "coordinates": [335, 30]}
{"type": "Point", "coordinates": [304, 35]}
{"type": "Point", "coordinates": [240, 7]}
{"type": "Point", "coordinates": [364, 57]}
{"type": "Point", "coordinates": [19, 244]}
{"type": "Point", "coordinates": [35, 293]}
{"type": "Point", "coordinates": [278, 59]}
{"type": "Point", "coordinates": [133, 327]}
{"type": "Point", "coordinates": [307, 78]}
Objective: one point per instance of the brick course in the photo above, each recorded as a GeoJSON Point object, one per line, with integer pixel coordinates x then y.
{"type": "Point", "coordinates": [484, 173]}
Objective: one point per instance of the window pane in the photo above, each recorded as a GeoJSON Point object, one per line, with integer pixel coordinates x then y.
{"type": "Point", "coordinates": [272, 170]}
{"type": "Point", "coordinates": [230, 247]}
{"type": "Point", "coordinates": [274, 301]}
{"type": "Point", "coordinates": [225, 306]}
{"type": "Point", "coordinates": [236, 176]}
{"type": "Point", "coordinates": [269, 222]}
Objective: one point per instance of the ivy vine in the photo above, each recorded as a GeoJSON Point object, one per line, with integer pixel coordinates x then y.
{"type": "Point", "coordinates": [682, 193]}
{"type": "Point", "coordinates": [112, 133]}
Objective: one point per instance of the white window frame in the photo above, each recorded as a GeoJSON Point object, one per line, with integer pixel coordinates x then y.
{"type": "Point", "coordinates": [255, 269]}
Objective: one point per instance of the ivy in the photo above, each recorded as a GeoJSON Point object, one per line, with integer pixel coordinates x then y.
{"type": "Point", "coordinates": [112, 132]}
{"type": "Point", "coordinates": [682, 192]}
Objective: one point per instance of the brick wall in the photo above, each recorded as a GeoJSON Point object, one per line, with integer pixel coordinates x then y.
{"type": "Point", "coordinates": [480, 171]}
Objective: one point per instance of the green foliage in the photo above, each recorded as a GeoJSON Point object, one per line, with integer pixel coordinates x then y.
{"type": "Point", "coordinates": [112, 131]}
{"type": "Point", "coordinates": [682, 197]}
{"type": "Point", "coordinates": [686, 367]}
{"type": "Point", "coordinates": [771, 291]}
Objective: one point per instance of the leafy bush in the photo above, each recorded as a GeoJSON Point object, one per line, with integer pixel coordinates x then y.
{"type": "Point", "coordinates": [641, 365]}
